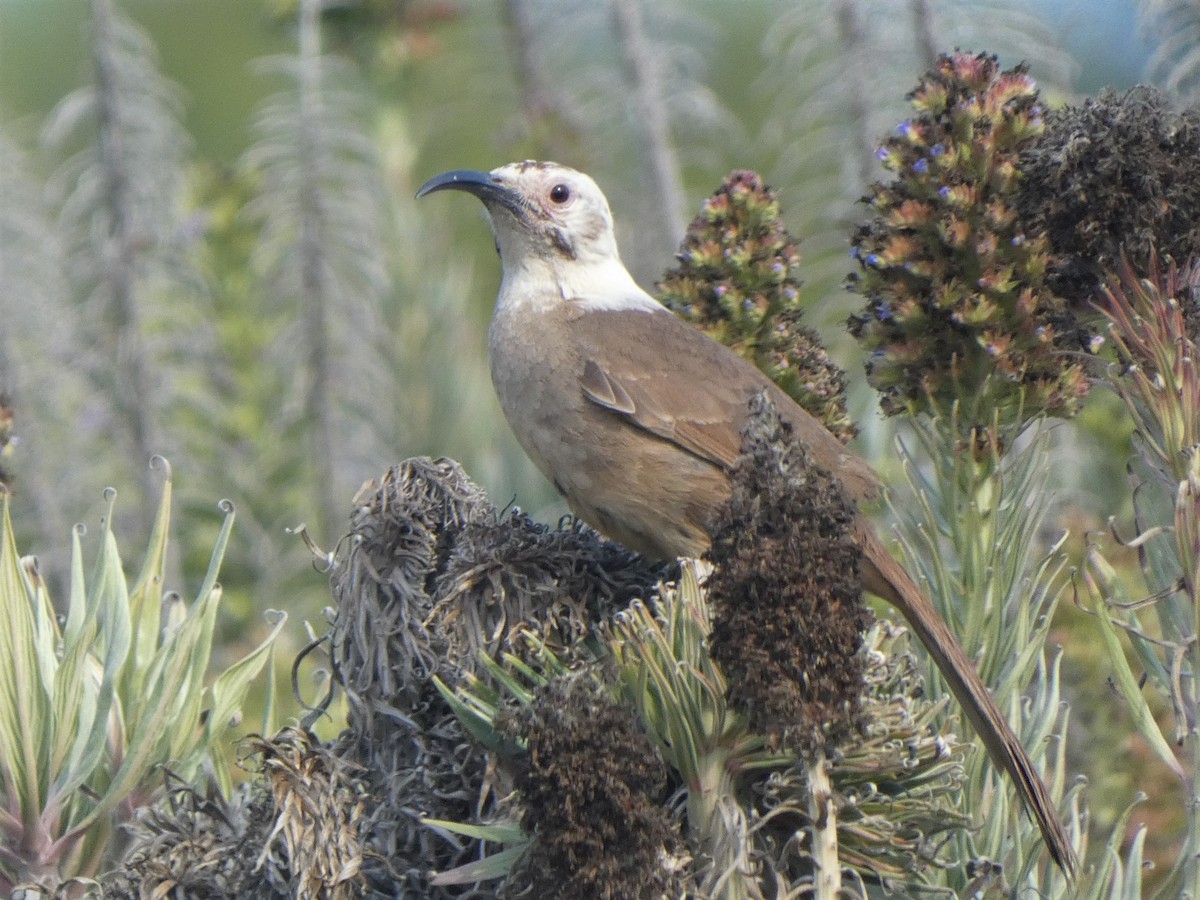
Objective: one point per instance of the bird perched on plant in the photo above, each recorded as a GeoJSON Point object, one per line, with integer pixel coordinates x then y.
{"type": "Point", "coordinates": [636, 416]}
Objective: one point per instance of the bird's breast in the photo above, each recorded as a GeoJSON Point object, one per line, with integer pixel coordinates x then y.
{"type": "Point", "coordinates": [630, 485]}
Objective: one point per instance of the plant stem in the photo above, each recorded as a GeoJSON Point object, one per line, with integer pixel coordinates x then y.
{"type": "Point", "coordinates": [823, 812]}
{"type": "Point", "coordinates": [717, 826]}
{"type": "Point", "coordinates": [1191, 851]}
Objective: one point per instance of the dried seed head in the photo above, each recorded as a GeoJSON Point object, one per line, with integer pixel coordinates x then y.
{"type": "Point", "coordinates": [1117, 175]}
{"type": "Point", "coordinates": [591, 791]}
{"type": "Point", "coordinates": [788, 613]}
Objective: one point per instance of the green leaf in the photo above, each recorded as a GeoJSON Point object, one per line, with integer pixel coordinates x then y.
{"type": "Point", "coordinates": [1112, 875]}
{"type": "Point", "coordinates": [109, 598]}
{"type": "Point", "coordinates": [495, 866]}
{"type": "Point", "coordinates": [1127, 682]}
{"type": "Point", "coordinates": [146, 595]}
{"type": "Point", "coordinates": [477, 714]}
{"type": "Point", "coordinates": [26, 711]}
{"type": "Point", "coordinates": [496, 832]}
{"type": "Point", "coordinates": [228, 692]}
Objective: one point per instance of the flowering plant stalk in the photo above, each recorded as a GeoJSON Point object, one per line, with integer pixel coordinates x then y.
{"type": "Point", "coordinates": [971, 536]}
{"type": "Point", "coordinates": [1155, 328]}
{"type": "Point", "coordinates": [969, 340]}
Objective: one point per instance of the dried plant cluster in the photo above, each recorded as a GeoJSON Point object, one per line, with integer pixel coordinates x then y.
{"type": "Point", "coordinates": [788, 613]}
{"type": "Point", "coordinates": [296, 830]}
{"type": "Point", "coordinates": [738, 280]}
{"type": "Point", "coordinates": [435, 580]}
{"type": "Point", "coordinates": [446, 577]}
{"type": "Point", "coordinates": [202, 846]}
{"type": "Point", "coordinates": [1116, 175]}
{"type": "Point", "coordinates": [436, 583]}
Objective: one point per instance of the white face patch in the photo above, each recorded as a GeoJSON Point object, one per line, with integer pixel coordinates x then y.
{"type": "Point", "coordinates": [570, 255]}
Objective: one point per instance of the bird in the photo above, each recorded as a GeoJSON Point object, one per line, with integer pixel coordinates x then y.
{"type": "Point", "coordinates": [636, 416]}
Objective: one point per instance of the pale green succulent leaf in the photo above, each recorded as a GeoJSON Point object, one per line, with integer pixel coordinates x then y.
{"type": "Point", "coordinates": [108, 601]}
{"type": "Point", "coordinates": [76, 688]}
{"type": "Point", "coordinates": [228, 692]}
{"type": "Point", "coordinates": [183, 685]}
{"type": "Point", "coordinates": [496, 832]}
{"type": "Point", "coordinates": [77, 601]}
{"type": "Point", "coordinates": [1109, 591]}
{"type": "Point", "coordinates": [1106, 882]}
{"type": "Point", "coordinates": [495, 866]}
{"type": "Point", "coordinates": [25, 705]}
{"type": "Point", "coordinates": [145, 597]}
{"type": "Point", "coordinates": [1129, 884]}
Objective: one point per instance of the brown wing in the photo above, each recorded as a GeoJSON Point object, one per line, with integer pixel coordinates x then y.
{"type": "Point", "coordinates": [712, 438]}
{"type": "Point", "coordinates": [688, 389]}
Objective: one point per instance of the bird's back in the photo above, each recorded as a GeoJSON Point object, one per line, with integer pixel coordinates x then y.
{"type": "Point", "coordinates": [669, 441]}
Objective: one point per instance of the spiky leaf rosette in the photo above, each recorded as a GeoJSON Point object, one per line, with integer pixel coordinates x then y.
{"type": "Point", "coordinates": [738, 280]}
{"type": "Point", "coordinates": [958, 305]}
{"type": "Point", "coordinates": [787, 591]}
{"type": "Point", "coordinates": [432, 581]}
{"type": "Point", "coordinates": [1117, 175]}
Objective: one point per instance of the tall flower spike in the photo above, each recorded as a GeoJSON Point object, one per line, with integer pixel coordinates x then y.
{"type": "Point", "coordinates": [958, 308]}
{"type": "Point", "coordinates": [738, 279]}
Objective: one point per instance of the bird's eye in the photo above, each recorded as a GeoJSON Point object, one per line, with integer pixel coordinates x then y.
{"type": "Point", "coordinates": [560, 193]}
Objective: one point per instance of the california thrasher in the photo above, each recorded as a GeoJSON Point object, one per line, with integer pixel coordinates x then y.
{"type": "Point", "coordinates": [636, 415]}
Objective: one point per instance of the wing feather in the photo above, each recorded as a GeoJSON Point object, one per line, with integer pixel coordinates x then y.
{"type": "Point", "coordinates": [685, 388]}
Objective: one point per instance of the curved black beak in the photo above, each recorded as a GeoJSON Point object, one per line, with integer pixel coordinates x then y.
{"type": "Point", "coordinates": [481, 184]}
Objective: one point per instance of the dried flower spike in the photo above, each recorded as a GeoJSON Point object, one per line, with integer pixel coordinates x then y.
{"type": "Point", "coordinates": [1115, 176]}
{"type": "Point", "coordinates": [788, 613]}
{"type": "Point", "coordinates": [590, 792]}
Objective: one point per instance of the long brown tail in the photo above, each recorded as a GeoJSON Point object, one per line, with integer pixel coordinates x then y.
{"type": "Point", "coordinates": [884, 576]}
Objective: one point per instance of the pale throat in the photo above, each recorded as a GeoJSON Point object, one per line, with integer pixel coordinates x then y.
{"type": "Point", "coordinates": [596, 281]}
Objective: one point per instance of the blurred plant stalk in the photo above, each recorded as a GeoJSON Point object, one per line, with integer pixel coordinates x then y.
{"type": "Point", "coordinates": [93, 708]}
{"type": "Point", "coordinates": [1155, 328]}
{"type": "Point", "coordinates": [972, 537]}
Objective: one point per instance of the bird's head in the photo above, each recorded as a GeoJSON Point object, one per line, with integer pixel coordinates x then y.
{"type": "Point", "coordinates": [540, 212]}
